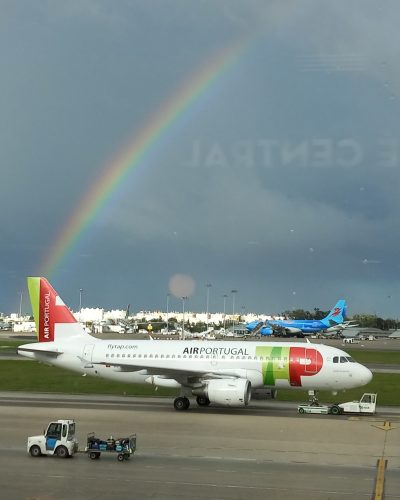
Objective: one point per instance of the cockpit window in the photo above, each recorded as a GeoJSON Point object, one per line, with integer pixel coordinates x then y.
{"type": "Point", "coordinates": [349, 359]}
{"type": "Point", "coordinates": [336, 359]}
{"type": "Point", "coordinates": [343, 359]}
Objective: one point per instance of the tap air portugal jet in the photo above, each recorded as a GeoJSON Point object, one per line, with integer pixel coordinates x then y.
{"type": "Point", "coordinates": [221, 372]}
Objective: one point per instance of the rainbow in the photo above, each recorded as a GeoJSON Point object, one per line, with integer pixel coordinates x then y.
{"type": "Point", "coordinates": [130, 156]}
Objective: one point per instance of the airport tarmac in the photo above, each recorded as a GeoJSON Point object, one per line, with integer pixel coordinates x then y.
{"type": "Point", "coordinates": [215, 454]}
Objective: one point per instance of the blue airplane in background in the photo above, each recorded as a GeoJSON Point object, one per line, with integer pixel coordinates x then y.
{"type": "Point", "coordinates": [333, 323]}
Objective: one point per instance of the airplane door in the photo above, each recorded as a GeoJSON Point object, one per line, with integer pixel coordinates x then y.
{"type": "Point", "coordinates": [87, 355]}
{"type": "Point", "coordinates": [311, 354]}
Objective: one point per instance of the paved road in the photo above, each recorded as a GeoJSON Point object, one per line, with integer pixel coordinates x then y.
{"type": "Point", "coordinates": [217, 454]}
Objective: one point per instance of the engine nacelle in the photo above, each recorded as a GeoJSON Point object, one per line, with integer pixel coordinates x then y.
{"type": "Point", "coordinates": [292, 329]}
{"type": "Point", "coordinates": [227, 392]}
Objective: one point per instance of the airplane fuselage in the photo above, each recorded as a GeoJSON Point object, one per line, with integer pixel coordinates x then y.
{"type": "Point", "coordinates": [270, 365]}
{"type": "Point", "coordinates": [304, 325]}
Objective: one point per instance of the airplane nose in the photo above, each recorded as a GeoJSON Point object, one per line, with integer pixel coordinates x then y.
{"type": "Point", "coordinates": [366, 375]}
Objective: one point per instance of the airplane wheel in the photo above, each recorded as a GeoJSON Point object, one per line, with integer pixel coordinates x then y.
{"type": "Point", "coordinates": [35, 451]}
{"type": "Point", "coordinates": [181, 404]}
{"type": "Point", "coordinates": [202, 400]}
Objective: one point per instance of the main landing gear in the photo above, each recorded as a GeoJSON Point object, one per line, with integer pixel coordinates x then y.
{"type": "Point", "coordinates": [181, 403]}
{"type": "Point", "coordinates": [202, 400]}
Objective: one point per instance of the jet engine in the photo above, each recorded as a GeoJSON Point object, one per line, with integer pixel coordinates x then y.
{"type": "Point", "coordinates": [227, 392]}
{"type": "Point", "coordinates": [291, 329]}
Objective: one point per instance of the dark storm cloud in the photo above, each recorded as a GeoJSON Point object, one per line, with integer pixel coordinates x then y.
{"type": "Point", "coordinates": [280, 182]}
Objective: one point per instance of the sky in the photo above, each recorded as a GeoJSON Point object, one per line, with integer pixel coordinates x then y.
{"type": "Point", "coordinates": [277, 177]}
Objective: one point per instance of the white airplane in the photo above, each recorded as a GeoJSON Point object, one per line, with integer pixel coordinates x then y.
{"type": "Point", "coordinates": [223, 372]}
{"type": "Point", "coordinates": [199, 335]}
{"type": "Point", "coordinates": [340, 327]}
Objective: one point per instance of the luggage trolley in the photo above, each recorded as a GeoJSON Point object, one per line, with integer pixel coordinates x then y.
{"type": "Point", "coordinates": [123, 447]}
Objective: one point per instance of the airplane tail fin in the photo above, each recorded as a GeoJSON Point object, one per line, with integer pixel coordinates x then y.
{"type": "Point", "coordinates": [337, 314]}
{"type": "Point", "coordinates": [54, 321]}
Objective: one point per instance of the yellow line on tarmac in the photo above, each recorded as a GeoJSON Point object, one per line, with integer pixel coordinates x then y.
{"type": "Point", "coordinates": [380, 479]}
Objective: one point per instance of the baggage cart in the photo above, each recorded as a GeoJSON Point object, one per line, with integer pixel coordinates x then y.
{"type": "Point", "coordinates": [122, 447]}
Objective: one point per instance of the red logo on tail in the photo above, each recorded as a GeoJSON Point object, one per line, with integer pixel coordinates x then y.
{"type": "Point", "coordinates": [336, 311]}
{"type": "Point", "coordinates": [50, 312]}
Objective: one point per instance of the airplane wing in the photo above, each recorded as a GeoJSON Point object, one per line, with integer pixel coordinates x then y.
{"type": "Point", "coordinates": [184, 377]}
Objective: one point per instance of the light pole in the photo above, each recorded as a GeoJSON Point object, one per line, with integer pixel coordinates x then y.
{"type": "Point", "coordinates": [80, 303]}
{"type": "Point", "coordinates": [225, 297]}
{"type": "Point", "coordinates": [167, 311]}
{"type": "Point", "coordinates": [233, 292]}
{"type": "Point", "coordinates": [183, 317]}
{"type": "Point", "coordinates": [208, 301]}
{"type": "Point", "coordinates": [20, 305]}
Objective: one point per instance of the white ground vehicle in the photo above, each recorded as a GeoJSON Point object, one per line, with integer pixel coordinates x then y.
{"type": "Point", "coordinates": [367, 404]}
{"type": "Point", "coordinates": [59, 439]}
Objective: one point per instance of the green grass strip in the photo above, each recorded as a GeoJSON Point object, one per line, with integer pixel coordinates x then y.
{"type": "Point", "coordinates": [378, 356]}
{"type": "Point", "coordinates": [32, 376]}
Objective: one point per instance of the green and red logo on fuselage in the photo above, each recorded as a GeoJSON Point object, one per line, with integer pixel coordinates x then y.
{"type": "Point", "coordinates": [288, 363]}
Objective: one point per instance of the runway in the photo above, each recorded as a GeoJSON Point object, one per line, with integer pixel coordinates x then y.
{"type": "Point", "coordinates": [218, 454]}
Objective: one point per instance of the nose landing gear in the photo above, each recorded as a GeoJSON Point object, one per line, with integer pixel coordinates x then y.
{"type": "Point", "coordinates": [313, 398]}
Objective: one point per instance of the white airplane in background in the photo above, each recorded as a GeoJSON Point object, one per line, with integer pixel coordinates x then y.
{"type": "Point", "coordinates": [223, 372]}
